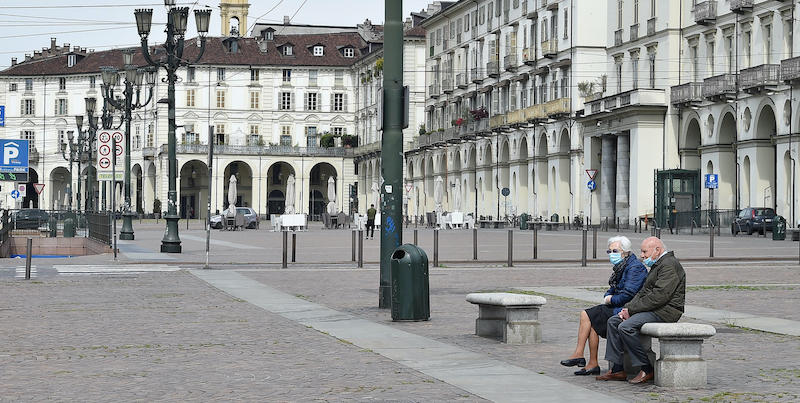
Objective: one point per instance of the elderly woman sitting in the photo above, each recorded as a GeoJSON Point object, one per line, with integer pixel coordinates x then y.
{"type": "Point", "coordinates": [626, 280]}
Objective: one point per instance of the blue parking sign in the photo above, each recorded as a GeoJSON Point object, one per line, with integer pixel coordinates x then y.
{"type": "Point", "coordinates": [2, 116]}
{"type": "Point", "coordinates": [712, 181]}
{"type": "Point", "coordinates": [14, 156]}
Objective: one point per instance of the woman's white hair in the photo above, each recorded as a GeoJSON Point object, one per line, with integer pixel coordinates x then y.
{"type": "Point", "coordinates": [624, 242]}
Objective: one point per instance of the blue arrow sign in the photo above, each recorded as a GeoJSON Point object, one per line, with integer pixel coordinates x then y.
{"type": "Point", "coordinates": [15, 194]}
{"type": "Point", "coordinates": [592, 185]}
{"type": "Point", "coordinates": [14, 156]}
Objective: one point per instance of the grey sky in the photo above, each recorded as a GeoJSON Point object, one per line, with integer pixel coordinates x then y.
{"type": "Point", "coordinates": [28, 25]}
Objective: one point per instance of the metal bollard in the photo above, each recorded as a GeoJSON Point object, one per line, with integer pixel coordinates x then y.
{"type": "Point", "coordinates": [474, 244]}
{"type": "Point", "coordinates": [658, 233]}
{"type": "Point", "coordinates": [594, 244]}
{"type": "Point", "coordinates": [360, 248]}
{"type": "Point", "coordinates": [619, 222]}
{"type": "Point", "coordinates": [535, 243]}
{"type": "Point", "coordinates": [285, 247]}
{"type": "Point", "coordinates": [294, 246]}
{"type": "Point", "coordinates": [436, 248]}
{"type": "Point", "coordinates": [28, 257]}
{"type": "Point", "coordinates": [416, 238]}
{"type": "Point", "coordinates": [583, 248]}
{"type": "Point", "coordinates": [354, 245]}
{"type": "Point", "coordinates": [510, 248]}
{"type": "Point", "coordinates": [711, 242]}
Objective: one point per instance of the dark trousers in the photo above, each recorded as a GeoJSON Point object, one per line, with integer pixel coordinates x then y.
{"type": "Point", "coordinates": [624, 336]}
{"type": "Point", "coordinates": [371, 228]}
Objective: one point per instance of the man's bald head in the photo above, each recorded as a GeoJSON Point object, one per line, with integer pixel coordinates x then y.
{"type": "Point", "coordinates": [652, 247]}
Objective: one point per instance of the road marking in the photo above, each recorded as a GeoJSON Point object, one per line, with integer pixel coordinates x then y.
{"type": "Point", "coordinates": [20, 272]}
{"type": "Point", "coordinates": [219, 243]}
{"type": "Point", "coordinates": [113, 269]}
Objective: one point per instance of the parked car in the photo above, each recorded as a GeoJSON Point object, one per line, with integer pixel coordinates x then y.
{"type": "Point", "coordinates": [30, 218]}
{"type": "Point", "coordinates": [754, 219]}
{"type": "Point", "coordinates": [250, 218]}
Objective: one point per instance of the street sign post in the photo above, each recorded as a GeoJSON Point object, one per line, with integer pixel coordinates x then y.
{"type": "Point", "coordinates": [712, 181]}
{"type": "Point", "coordinates": [14, 156]}
{"type": "Point", "coordinates": [592, 173]}
{"type": "Point", "coordinates": [15, 194]}
{"type": "Point", "coordinates": [39, 187]}
{"type": "Point", "coordinates": [592, 185]}
{"type": "Point", "coordinates": [105, 140]}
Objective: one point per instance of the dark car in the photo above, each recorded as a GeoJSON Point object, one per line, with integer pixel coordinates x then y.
{"type": "Point", "coordinates": [754, 219]}
{"type": "Point", "coordinates": [31, 218]}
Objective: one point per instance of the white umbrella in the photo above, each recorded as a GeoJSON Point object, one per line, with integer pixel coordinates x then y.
{"type": "Point", "coordinates": [289, 203]}
{"type": "Point", "coordinates": [232, 196]}
{"type": "Point", "coordinates": [376, 194]}
{"type": "Point", "coordinates": [438, 193]}
{"type": "Point", "coordinates": [457, 196]}
{"type": "Point", "coordinates": [332, 196]}
{"type": "Point", "coordinates": [66, 200]}
{"type": "Point", "coordinates": [118, 196]}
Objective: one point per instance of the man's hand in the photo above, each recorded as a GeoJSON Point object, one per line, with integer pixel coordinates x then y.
{"type": "Point", "coordinates": [607, 300]}
{"type": "Point", "coordinates": [623, 314]}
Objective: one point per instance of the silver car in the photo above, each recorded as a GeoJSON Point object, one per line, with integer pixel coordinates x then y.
{"type": "Point", "coordinates": [250, 218]}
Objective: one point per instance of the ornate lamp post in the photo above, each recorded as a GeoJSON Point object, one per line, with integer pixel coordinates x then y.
{"type": "Point", "coordinates": [74, 156]}
{"type": "Point", "coordinates": [133, 83]}
{"type": "Point", "coordinates": [85, 145]}
{"type": "Point", "coordinates": [173, 59]}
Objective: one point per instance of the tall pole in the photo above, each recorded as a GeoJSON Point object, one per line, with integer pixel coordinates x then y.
{"type": "Point", "coordinates": [392, 146]}
{"type": "Point", "coordinates": [210, 172]}
{"type": "Point", "coordinates": [126, 233]}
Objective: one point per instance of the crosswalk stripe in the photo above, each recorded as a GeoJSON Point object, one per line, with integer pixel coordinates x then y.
{"type": "Point", "coordinates": [113, 269]}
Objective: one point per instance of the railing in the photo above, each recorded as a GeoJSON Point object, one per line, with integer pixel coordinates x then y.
{"type": "Point", "coordinates": [529, 55]}
{"type": "Point", "coordinates": [722, 84]}
{"type": "Point", "coordinates": [625, 99]}
{"type": "Point", "coordinates": [516, 117]}
{"type": "Point", "coordinates": [447, 85]}
{"type": "Point", "coordinates": [618, 37]}
{"type": "Point", "coordinates": [451, 133]}
{"type": "Point", "coordinates": [790, 69]}
{"type": "Point", "coordinates": [497, 121]}
{"type": "Point", "coordinates": [262, 150]}
{"type": "Point", "coordinates": [433, 89]}
{"type": "Point", "coordinates": [461, 80]}
{"type": "Point", "coordinates": [610, 103]}
{"type": "Point", "coordinates": [651, 26]}
{"type": "Point", "coordinates": [684, 93]}
{"type": "Point", "coordinates": [550, 47]}
{"type": "Point", "coordinates": [100, 226]}
{"type": "Point", "coordinates": [705, 11]}
{"type": "Point", "coordinates": [761, 76]}
{"type": "Point", "coordinates": [510, 62]}
{"type": "Point", "coordinates": [634, 32]}
{"type": "Point", "coordinates": [740, 6]}
{"type": "Point", "coordinates": [476, 76]}
{"type": "Point", "coordinates": [493, 69]}
{"type": "Point", "coordinates": [557, 107]}
{"type": "Point", "coordinates": [640, 96]}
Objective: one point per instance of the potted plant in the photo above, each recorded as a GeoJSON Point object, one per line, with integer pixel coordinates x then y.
{"type": "Point", "coordinates": [422, 130]}
{"type": "Point", "coordinates": [327, 140]}
{"type": "Point", "coordinates": [349, 141]}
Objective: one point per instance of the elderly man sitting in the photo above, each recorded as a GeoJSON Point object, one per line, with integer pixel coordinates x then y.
{"type": "Point", "coordinates": [661, 299]}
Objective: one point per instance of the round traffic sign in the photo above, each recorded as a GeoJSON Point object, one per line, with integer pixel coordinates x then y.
{"type": "Point", "coordinates": [104, 149]}
{"type": "Point", "coordinates": [505, 192]}
{"type": "Point", "coordinates": [119, 149]}
{"type": "Point", "coordinates": [592, 185]}
{"type": "Point", "coordinates": [118, 137]}
{"type": "Point", "coordinates": [105, 137]}
{"type": "Point", "coordinates": [15, 194]}
{"type": "Point", "coordinates": [104, 162]}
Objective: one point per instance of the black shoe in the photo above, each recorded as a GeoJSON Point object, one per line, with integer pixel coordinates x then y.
{"type": "Point", "coordinates": [581, 362]}
{"type": "Point", "coordinates": [590, 371]}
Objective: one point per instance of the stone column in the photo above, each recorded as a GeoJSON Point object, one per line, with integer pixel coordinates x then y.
{"type": "Point", "coordinates": [623, 179]}
{"type": "Point", "coordinates": [608, 181]}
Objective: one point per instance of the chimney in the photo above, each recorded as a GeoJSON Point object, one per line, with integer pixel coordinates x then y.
{"type": "Point", "coordinates": [53, 43]}
{"type": "Point", "coordinates": [28, 57]}
{"type": "Point", "coordinates": [13, 61]}
{"type": "Point", "coordinates": [286, 20]}
{"type": "Point", "coordinates": [66, 46]}
{"type": "Point", "coordinates": [76, 49]}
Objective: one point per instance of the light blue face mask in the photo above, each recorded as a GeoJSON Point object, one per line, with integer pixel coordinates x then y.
{"type": "Point", "coordinates": [615, 258]}
{"type": "Point", "coordinates": [649, 262]}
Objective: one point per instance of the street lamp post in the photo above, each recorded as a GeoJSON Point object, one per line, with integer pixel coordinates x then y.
{"type": "Point", "coordinates": [173, 47]}
{"type": "Point", "coordinates": [133, 83]}
{"type": "Point", "coordinates": [74, 156]}
{"type": "Point", "coordinates": [86, 139]}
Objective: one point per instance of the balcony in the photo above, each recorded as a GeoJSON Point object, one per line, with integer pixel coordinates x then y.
{"type": "Point", "coordinates": [516, 118]}
{"type": "Point", "coordinates": [552, 5]}
{"type": "Point", "coordinates": [497, 122]}
{"type": "Point", "coordinates": [635, 98]}
{"type": "Point", "coordinates": [33, 155]}
{"type": "Point", "coordinates": [510, 62]}
{"type": "Point", "coordinates": [447, 85]}
{"type": "Point", "coordinates": [686, 94]}
{"type": "Point", "coordinates": [148, 152]}
{"type": "Point", "coordinates": [477, 78]}
{"type": "Point", "coordinates": [529, 56]}
{"type": "Point", "coordinates": [634, 32]}
{"type": "Point", "coordinates": [651, 26]}
{"type": "Point", "coordinates": [534, 113]}
{"type": "Point", "coordinates": [758, 78]}
{"type": "Point", "coordinates": [530, 11]}
{"type": "Point", "coordinates": [610, 103]}
{"type": "Point", "coordinates": [550, 48]}
{"type": "Point", "coordinates": [461, 80]}
{"type": "Point", "coordinates": [557, 108]}
{"type": "Point", "coordinates": [262, 150]}
{"type": "Point", "coordinates": [741, 6]}
{"type": "Point", "coordinates": [493, 69]}
{"type": "Point", "coordinates": [458, 38]}
{"type": "Point", "coordinates": [790, 69]}
{"type": "Point", "coordinates": [705, 12]}
{"type": "Point", "coordinates": [721, 87]}
{"type": "Point", "coordinates": [433, 90]}
{"type": "Point", "coordinates": [618, 37]}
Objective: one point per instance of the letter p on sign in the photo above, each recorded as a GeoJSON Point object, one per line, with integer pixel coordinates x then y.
{"type": "Point", "coordinates": [10, 151]}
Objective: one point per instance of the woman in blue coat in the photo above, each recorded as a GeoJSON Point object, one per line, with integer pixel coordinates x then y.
{"type": "Point", "coordinates": [626, 280]}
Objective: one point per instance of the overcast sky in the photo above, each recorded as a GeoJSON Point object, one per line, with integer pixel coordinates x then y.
{"type": "Point", "coordinates": [28, 25]}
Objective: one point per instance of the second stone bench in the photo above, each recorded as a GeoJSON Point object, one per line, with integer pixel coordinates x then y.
{"type": "Point", "coordinates": [513, 318]}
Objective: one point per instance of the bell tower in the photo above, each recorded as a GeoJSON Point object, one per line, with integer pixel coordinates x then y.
{"type": "Point", "coordinates": [234, 17]}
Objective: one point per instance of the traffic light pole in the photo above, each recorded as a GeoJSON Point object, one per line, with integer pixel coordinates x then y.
{"type": "Point", "coordinates": [391, 146]}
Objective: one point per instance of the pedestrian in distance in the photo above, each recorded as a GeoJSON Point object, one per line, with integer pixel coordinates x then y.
{"type": "Point", "coordinates": [371, 221]}
{"type": "Point", "coordinates": [626, 279]}
{"type": "Point", "coordinates": [661, 299]}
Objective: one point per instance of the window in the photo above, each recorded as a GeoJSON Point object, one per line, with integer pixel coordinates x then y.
{"type": "Point", "coordinates": [92, 82]}
{"type": "Point", "coordinates": [566, 24]}
{"type": "Point", "coordinates": [190, 74]}
{"type": "Point", "coordinates": [730, 50]}
{"type": "Point", "coordinates": [28, 107]}
{"type": "Point", "coordinates": [319, 50]}
{"type": "Point", "coordinates": [746, 49]}
{"type": "Point", "coordinates": [619, 14]}
{"type": "Point", "coordinates": [189, 135]}
{"type": "Point", "coordinates": [287, 50]}
{"type": "Point", "coordinates": [312, 78]}
{"type": "Point", "coordinates": [338, 131]}
{"type": "Point", "coordinates": [255, 137]}
{"type": "Point", "coordinates": [254, 75]}
{"type": "Point", "coordinates": [62, 83]}
{"type": "Point", "coordinates": [652, 70]}
{"type": "Point", "coordinates": [349, 52]}
{"type": "Point", "coordinates": [619, 77]}
{"type": "Point", "coordinates": [255, 100]}
{"type": "Point", "coordinates": [338, 78]}
{"type": "Point", "coordinates": [12, 87]}
{"type": "Point", "coordinates": [285, 100]}
{"type": "Point", "coordinates": [311, 101]}
{"type": "Point", "coordinates": [635, 70]}
{"type": "Point", "coordinates": [138, 138]}
{"type": "Point", "coordinates": [695, 63]}
{"type": "Point", "coordinates": [220, 74]}
{"type": "Point", "coordinates": [652, 8]}
{"type": "Point", "coordinates": [767, 44]}
{"type": "Point", "coordinates": [635, 11]}
{"type": "Point", "coordinates": [62, 136]}
{"type": "Point", "coordinates": [150, 139]}
{"type": "Point", "coordinates": [61, 107]}
{"type": "Point", "coordinates": [220, 98]}
{"type": "Point", "coordinates": [28, 84]}
{"type": "Point", "coordinates": [710, 51]}
{"type": "Point", "coordinates": [312, 140]}
{"type": "Point", "coordinates": [482, 14]}
{"type": "Point", "coordinates": [287, 75]}
{"type": "Point", "coordinates": [190, 98]}
{"type": "Point", "coordinates": [338, 102]}
{"type": "Point", "coordinates": [286, 135]}
{"type": "Point", "coordinates": [29, 135]}
{"type": "Point", "coordinates": [466, 23]}
{"type": "Point", "coordinates": [788, 42]}
{"type": "Point", "coordinates": [219, 133]}
{"type": "Point", "coordinates": [71, 60]}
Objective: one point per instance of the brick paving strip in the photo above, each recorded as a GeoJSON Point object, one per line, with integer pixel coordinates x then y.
{"type": "Point", "coordinates": [745, 320]}
{"type": "Point", "coordinates": [476, 373]}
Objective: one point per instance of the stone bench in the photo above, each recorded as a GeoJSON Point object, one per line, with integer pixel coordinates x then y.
{"type": "Point", "coordinates": [513, 318]}
{"type": "Point", "coordinates": [680, 363]}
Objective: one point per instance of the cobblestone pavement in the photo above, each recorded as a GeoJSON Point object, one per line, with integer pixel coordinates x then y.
{"type": "Point", "coordinates": [743, 365]}
{"type": "Point", "coordinates": [171, 337]}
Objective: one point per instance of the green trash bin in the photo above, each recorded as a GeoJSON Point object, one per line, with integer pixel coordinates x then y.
{"type": "Point", "coordinates": [69, 228]}
{"type": "Point", "coordinates": [778, 228]}
{"type": "Point", "coordinates": [523, 221]}
{"type": "Point", "coordinates": [410, 292]}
